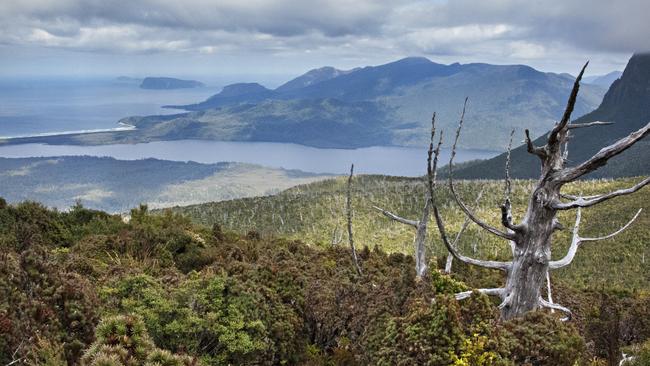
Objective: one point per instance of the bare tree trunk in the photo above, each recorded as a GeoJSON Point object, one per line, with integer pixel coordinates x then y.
{"type": "Point", "coordinates": [531, 239]}
{"type": "Point", "coordinates": [421, 241]}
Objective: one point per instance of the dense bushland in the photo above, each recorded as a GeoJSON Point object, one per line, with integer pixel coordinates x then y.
{"type": "Point", "coordinates": [85, 287]}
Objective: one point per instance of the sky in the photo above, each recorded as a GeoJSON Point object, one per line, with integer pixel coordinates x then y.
{"type": "Point", "coordinates": [271, 40]}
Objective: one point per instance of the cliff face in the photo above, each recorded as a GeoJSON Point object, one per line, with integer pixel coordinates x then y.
{"type": "Point", "coordinates": [629, 96]}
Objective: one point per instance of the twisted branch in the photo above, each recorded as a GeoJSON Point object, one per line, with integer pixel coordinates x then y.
{"type": "Point", "coordinates": [593, 200]}
{"type": "Point", "coordinates": [577, 240]}
{"type": "Point", "coordinates": [506, 208]}
{"type": "Point", "coordinates": [554, 306]}
{"type": "Point", "coordinates": [535, 150]}
{"type": "Point", "coordinates": [450, 257]}
{"type": "Point", "coordinates": [476, 262]}
{"type": "Point", "coordinates": [488, 291]}
{"type": "Point", "coordinates": [601, 157]}
{"type": "Point", "coordinates": [399, 219]}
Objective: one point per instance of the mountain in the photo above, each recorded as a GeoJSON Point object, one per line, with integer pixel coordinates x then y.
{"type": "Point", "coordinates": [232, 95]}
{"type": "Point", "coordinates": [373, 81]}
{"type": "Point", "coordinates": [389, 104]}
{"type": "Point", "coordinates": [312, 77]}
{"type": "Point", "coordinates": [169, 83]}
{"type": "Point", "coordinates": [626, 103]}
{"type": "Point", "coordinates": [407, 91]}
{"type": "Point", "coordinates": [603, 80]}
{"type": "Point", "coordinates": [118, 185]}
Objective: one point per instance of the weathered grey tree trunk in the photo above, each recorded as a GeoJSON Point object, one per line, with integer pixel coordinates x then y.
{"type": "Point", "coordinates": [420, 240]}
{"type": "Point", "coordinates": [531, 239]}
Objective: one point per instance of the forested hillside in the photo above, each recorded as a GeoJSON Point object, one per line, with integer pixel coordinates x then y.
{"type": "Point", "coordinates": [316, 213]}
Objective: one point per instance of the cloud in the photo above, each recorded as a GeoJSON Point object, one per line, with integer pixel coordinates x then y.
{"type": "Point", "coordinates": [516, 30]}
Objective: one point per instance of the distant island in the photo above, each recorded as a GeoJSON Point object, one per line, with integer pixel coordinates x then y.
{"type": "Point", "coordinates": [169, 83]}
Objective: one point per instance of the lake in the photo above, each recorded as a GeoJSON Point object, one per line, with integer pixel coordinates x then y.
{"type": "Point", "coordinates": [404, 161]}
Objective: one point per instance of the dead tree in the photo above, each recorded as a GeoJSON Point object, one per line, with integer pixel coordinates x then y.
{"type": "Point", "coordinates": [419, 242]}
{"type": "Point", "coordinates": [531, 238]}
{"type": "Point", "coordinates": [355, 258]}
{"type": "Point", "coordinates": [420, 226]}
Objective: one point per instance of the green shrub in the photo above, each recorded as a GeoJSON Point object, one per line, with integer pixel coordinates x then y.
{"type": "Point", "coordinates": [542, 339]}
{"type": "Point", "coordinates": [123, 341]}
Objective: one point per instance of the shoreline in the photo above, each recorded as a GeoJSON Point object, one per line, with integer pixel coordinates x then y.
{"type": "Point", "coordinates": [123, 127]}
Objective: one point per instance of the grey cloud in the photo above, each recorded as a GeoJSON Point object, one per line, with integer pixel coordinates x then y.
{"type": "Point", "coordinates": [552, 31]}
{"type": "Point", "coordinates": [279, 17]}
{"type": "Point", "coordinates": [616, 26]}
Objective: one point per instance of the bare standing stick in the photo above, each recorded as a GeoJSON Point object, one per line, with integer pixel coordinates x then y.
{"type": "Point", "coordinates": [349, 212]}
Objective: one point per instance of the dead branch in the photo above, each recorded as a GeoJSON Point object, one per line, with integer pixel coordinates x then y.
{"type": "Point", "coordinates": [450, 257]}
{"type": "Point", "coordinates": [487, 291]}
{"type": "Point", "coordinates": [548, 289]}
{"type": "Point", "coordinates": [601, 157]}
{"type": "Point", "coordinates": [506, 208]}
{"type": "Point", "coordinates": [460, 203]}
{"type": "Point", "coordinates": [399, 219]}
{"type": "Point", "coordinates": [577, 240]}
{"type": "Point", "coordinates": [545, 304]}
{"type": "Point", "coordinates": [432, 159]}
{"type": "Point", "coordinates": [554, 136]}
{"type": "Point", "coordinates": [337, 236]}
{"type": "Point", "coordinates": [593, 200]}
{"type": "Point", "coordinates": [477, 262]}
{"type": "Point", "coordinates": [349, 214]}
{"type": "Point", "coordinates": [572, 126]}
{"type": "Point", "coordinates": [535, 150]}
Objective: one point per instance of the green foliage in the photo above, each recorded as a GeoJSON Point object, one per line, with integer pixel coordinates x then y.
{"type": "Point", "coordinates": [440, 332]}
{"type": "Point", "coordinates": [195, 315]}
{"type": "Point", "coordinates": [227, 298]}
{"type": "Point", "coordinates": [39, 298]}
{"type": "Point", "coordinates": [541, 339]}
{"type": "Point", "coordinates": [124, 341]}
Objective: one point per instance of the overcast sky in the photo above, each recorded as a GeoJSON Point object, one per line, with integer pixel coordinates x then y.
{"type": "Point", "coordinates": [268, 40]}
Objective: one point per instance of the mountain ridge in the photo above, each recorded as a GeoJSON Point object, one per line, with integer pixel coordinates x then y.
{"type": "Point", "coordinates": [390, 104]}
{"type": "Point", "coordinates": [410, 89]}
{"type": "Point", "coordinates": [626, 103]}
